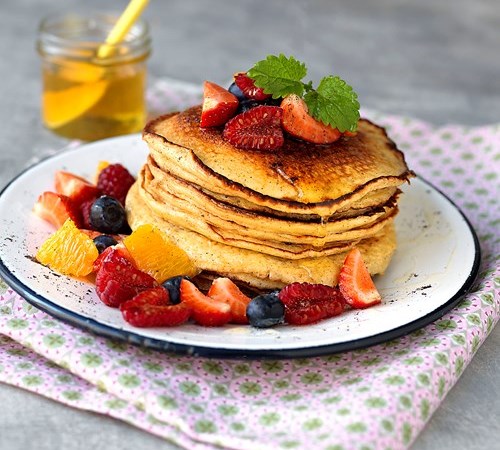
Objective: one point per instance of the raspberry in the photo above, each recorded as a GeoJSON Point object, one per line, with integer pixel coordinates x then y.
{"type": "Point", "coordinates": [117, 279]}
{"type": "Point", "coordinates": [258, 128]}
{"type": "Point", "coordinates": [152, 308]}
{"type": "Point", "coordinates": [247, 86]}
{"type": "Point", "coordinates": [309, 303]}
{"type": "Point", "coordinates": [115, 181]}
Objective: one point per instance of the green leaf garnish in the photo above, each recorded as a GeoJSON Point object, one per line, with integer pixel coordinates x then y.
{"type": "Point", "coordinates": [279, 75]}
{"type": "Point", "coordinates": [333, 102]}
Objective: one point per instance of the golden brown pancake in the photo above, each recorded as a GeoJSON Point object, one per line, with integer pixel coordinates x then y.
{"type": "Point", "coordinates": [256, 268]}
{"type": "Point", "coordinates": [299, 177]}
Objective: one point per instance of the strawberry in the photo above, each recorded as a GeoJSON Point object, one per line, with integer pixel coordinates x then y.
{"type": "Point", "coordinates": [115, 180]}
{"type": "Point", "coordinates": [247, 86]}
{"type": "Point", "coordinates": [152, 308]}
{"type": "Point", "coordinates": [258, 128]}
{"type": "Point", "coordinates": [205, 310]}
{"type": "Point", "coordinates": [224, 290]}
{"type": "Point", "coordinates": [355, 282]}
{"type": "Point", "coordinates": [307, 303]}
{"type": "Point", "coordinates": [56, 208]}
{"type": "Point", "coordinates": [219, 105]}
{"type": "Point", "coordinates": [117, 279]}
{"type": "Point", "coordinates": [299, 123]}
{"type": "Point", "coordinates": [78, 189]}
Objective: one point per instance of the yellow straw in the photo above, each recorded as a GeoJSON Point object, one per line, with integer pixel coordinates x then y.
{"type": "Point", "coordinates": [122, 26]}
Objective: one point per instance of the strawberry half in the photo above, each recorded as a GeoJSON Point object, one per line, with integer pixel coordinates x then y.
{"type": "Point", "coordinates": [247, 86]}
{"type": "Point", "coordinates": [258, 128]}
{"type": "Point", "coordinates": [219, 105]}
{"type": "Point", "coordinates": [307, 303]}
{"type": "Point", "coordinates": [299, 123]}
{"type": "Point", "coordinates": [117, 279]}
{"type": "Point", "coordinates": [205, 310]}
{"type": "Point", "coordinates": [224, 290]}
{"type": "Point", "coordinates": [152, 308]}
{"type": "Point", "coordinates": [355, 282]}
{"type": "Point", "coordinates": [76, 188]}
{"type": "Point", "coordinates": [56, 208]}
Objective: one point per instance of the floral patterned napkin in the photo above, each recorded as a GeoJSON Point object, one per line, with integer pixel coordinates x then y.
{"type": "Point", "coordinates": [375, 398]}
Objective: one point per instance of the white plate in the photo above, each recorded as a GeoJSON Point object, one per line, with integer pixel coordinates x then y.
{"type": "Point", "coordinates": [435, 264]}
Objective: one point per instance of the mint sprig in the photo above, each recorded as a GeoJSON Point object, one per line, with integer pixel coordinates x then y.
{"type": "Point", "coordinates": [279, 75]}
{"type": "Point", "coordinates": [333, 102]}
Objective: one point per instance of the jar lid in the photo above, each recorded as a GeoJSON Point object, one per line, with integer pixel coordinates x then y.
{"type": "Point", "coordinates": [79, 36]}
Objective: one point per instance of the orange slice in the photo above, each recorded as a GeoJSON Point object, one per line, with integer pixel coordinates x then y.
{"type": "Point", "coordinates": [154, 254]}
{"type": "Point", "coordinates": [65, 105]}
{"type": "Point", "coordinates": [68, 251]}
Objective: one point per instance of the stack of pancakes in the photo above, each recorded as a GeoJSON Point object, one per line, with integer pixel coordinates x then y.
{"type": "Point", "coordinates": [267, 219]}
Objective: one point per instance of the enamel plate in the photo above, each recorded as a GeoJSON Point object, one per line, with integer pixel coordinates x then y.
{"type": "Point", "coordinates": [436, 262]}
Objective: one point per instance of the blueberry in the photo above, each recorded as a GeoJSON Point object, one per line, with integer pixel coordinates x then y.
{"type": "Point", "coordinates": [173, 285]}
{"type": "Point", "coordinates": [266, 310]}
{"type": "Point", "coordinates": [247, 104]}
{"type": "Point", "coordinates": [103, 241]}
{"type": "Point", "coordinates": [236, 91]}
{"type": "Point", "coordinates": [107, 215]}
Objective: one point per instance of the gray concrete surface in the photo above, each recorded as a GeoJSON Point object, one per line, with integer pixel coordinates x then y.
{"type": "Point", "coordinates": [433, 59]}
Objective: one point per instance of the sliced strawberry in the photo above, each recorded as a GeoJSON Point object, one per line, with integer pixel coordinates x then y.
{"type": "Point", "coordinates": [258, 128]}
{"type": "Point", "coordinates": [75, 187]}
{"type": "Point", "coordinates": [224, 290]}
{"type": "Point", "coordinates": [205, 310]}
{"type": "Point", "coordinates": [309, 303]}
{"type": "Point", "coordinates": [152, 308]}
{"type": "Point", "coordinates": [355, 282]}
{"type": "Point", "coordinates": [297, 122]}
{"type": "Point", "coordinates": [219, 105]}
{"type": "Point", "coordinates": [117, 279]}
{"type": "Point", "coordinates": [56, 208]}
{"type": "Point", "coordinates": [247, 86]}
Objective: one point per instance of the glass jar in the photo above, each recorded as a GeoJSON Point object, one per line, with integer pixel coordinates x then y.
{"type": "Point", "coordinates": [85, 95]}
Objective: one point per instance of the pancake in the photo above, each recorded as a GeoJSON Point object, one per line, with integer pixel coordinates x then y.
{"type": "Point", "coordinates": [256, 268]}
{"type": "Point", "coordinates": [297, 178]}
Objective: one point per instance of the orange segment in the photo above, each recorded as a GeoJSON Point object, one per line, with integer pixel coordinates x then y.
{"type": "Point", "coordinates": [68, 251]}
{"type": "Point", "coordinates": [101, 165]}
{"type": "Point", "coordinates": [154, 254]}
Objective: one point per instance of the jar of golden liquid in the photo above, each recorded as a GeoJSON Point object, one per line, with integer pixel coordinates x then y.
{"type": "Point", "coordinates": [92, 90]}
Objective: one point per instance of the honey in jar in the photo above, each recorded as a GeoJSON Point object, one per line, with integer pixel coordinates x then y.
{"type": "Point", "coordinates": [86, 95]}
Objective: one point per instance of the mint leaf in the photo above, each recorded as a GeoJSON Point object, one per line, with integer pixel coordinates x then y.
{"type": "Point", "coordinates": [334, 103]}
{"type": "Point", "coordinates": [279, 75]}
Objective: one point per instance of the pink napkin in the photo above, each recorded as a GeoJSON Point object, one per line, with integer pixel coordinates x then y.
{"type": "Point", "coordinates": [375, 398]}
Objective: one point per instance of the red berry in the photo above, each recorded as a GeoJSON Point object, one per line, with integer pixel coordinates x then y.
{"type": "Point", "coordinates": [117, 279]}
{"type": "Point", "coordinates": [258, 128]}
{"type": "Point", "coordinates": [224, 290]}
{"type": "Point", "coordinates": [115, 181]}
{"type": "Point", "coordinates": [247, 86]}
{"type": "Point", "coordinates": [205, 310]}
{"type": "Point", "coordinates": [309, 303]}
{"type": "Point", "coordinates": [355, 282]}
{"type": "Point", "coordinates": [75, 187]}
{"type": "Point", "coordinates": [56, 209]}
{"type": "Point", "coordinates": [219, 105]}
{"type": "Point", "coordinates": [297, 122]}
{"type": "Point", "coordinates": [152, 308]}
